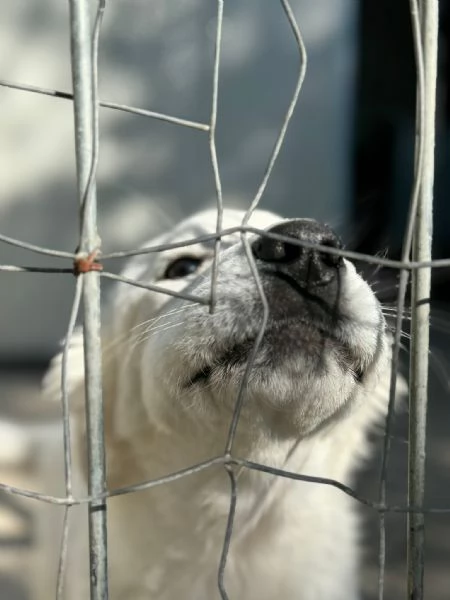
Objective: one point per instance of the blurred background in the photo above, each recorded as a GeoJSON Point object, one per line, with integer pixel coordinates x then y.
{"type": "Point", "coordinates": [347, 160]}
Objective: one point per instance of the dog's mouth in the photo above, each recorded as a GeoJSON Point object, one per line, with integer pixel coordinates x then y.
{"type": "Point", "coordinates": [235, 356]}
{"type": "Point", "coordinates": [239, 354]}
{"type": "Point", "coordinates": [201, 376]}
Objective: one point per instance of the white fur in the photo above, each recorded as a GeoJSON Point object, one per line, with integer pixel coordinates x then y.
{"type": "Point", "coordinates": [291, 540]}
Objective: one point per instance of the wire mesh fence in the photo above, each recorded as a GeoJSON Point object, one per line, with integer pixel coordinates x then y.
{"type": "Point", "coordinates": [416, 263]}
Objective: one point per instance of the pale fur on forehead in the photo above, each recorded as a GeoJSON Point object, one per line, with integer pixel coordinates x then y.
{"type": "Point", "coordinates": [206, 220]}
{"type": "Point", "coordinates": [199, 224]}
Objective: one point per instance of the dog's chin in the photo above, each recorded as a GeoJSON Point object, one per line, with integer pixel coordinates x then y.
{"type": "Point", "coordinates": [287, 393]}
{"type": "Point", "coordinates": [281, 401]}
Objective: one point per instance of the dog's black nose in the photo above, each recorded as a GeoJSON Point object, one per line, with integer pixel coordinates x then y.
{"type": "Point", "coordinates": [307, 265]}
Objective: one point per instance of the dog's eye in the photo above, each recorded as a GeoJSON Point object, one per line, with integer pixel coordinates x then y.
{"type": "Point", "coordinates": [182, 267]}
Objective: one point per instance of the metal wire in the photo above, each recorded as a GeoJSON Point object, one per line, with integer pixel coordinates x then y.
{"type": "Point", "coordinates": [224, 460]}
{"type": "Point", "coordinates": [290, 111]}
{"type": "Point", "coordinates": [420, 307]}
{"type": "Point", "coordinates": [113, 105]}
{"type": "Point", "coordinates": [213, 155]}
{"type": "Point", "coordinates": [64, 547]}
{"type": "Point", "coordinates": [228, 532]}
{"type": "Point", "coordinates": [410, 265]}
{"type": "Point", "coordinates": [424, 139]}
{"type": "Point", "coordinates": [251, 261]}
{"type": "Point", "coordinates": [67, 438]}
{"type": "Point", "coordinates": [85, 45]}
{"type": "Point", "coordinates": [403, 282]}
{"type": "Point", "coordinates": [156, 288]}
{"type": "Point", "coordinates": [84, 59]}
{"type": "Point", "coordinates": [254, 271]}
{"type": "Point", "coordinates": [34, 248]}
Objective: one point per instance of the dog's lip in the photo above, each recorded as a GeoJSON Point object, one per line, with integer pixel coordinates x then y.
{"type": "Point", "coordinates": [201, 376]}
{"type": "Point", "coordinates": [358, 372]}
{"type": "Point", "coordinates": [238, 353]}
{"type": "Point", "coordinates": [352, 363]}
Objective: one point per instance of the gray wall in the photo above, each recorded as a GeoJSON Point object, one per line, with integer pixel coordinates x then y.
{"type": "Point", "coordinates": [158, 55]}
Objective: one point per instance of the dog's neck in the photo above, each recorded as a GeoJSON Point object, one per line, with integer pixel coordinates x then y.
{"type": "Point", "coordinates": [147, 450]}
{"type": "Point", "coordinates": [182, 523]}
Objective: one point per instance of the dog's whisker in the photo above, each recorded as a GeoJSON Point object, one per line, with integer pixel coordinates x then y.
{"type": "Point", "coordinates": [440, 323]}
{"type": "Point", "coordinates": [135, 330]}
{"type": "Point", "coordinates": [440, 368]}
{"type": "Point", "coordinates": [144, 339]}
{"type": "Point", "coordinates": [437, 323]}
{"type": "Point", "coordinates": [141, 338]}
{"type": "Point", "coordinates": [437, 362]}
{"type": "Point", "coordinates": [156, 327]}
{"type": "Point", "coordinates": [166, 320]}
{"type": "Point", "coordinates": [154, 320]}
{"type": "Point", "coordinates": [392, 311]}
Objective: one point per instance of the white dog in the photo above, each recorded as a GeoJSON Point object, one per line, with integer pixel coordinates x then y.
{"type": "Point", "coordinates": [172, 373]}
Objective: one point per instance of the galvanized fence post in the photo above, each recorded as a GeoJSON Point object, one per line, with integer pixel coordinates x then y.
{"type": "Point", "coordinates": [83, 58]}
{"type": "Point", "coordinates": [420, 307]}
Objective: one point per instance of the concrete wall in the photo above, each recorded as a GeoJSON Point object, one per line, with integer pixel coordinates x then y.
{"type": "Point", "coordinates": [159, 56]}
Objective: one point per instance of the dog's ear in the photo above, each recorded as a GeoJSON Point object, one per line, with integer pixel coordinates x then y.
{"type": "Point", "coordinates": [51, 384]}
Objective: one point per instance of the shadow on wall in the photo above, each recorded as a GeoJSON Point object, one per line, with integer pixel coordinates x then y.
{"type": "Point", "coordinates": [152, 172]}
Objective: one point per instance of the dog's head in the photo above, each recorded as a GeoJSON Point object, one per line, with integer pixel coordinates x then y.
{"type": "Point", "coordinates": [322, 348]}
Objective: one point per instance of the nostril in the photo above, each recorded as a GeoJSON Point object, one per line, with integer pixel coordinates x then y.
{"type": "Point", "coordinates": [275, 251]}
{"type": "Point", "coordinates": [329, 259]}
{"type": "Point", "coordinates": [292, 252]}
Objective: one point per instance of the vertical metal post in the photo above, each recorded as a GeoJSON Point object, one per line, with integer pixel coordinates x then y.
{"type": "Point", "coordinates": [86, 135]}
{"type": "Point", "coordinates": [420, 308]}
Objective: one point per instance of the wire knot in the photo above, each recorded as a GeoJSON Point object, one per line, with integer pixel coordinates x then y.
{"type": "Point", "coordinates": [85, 264]}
